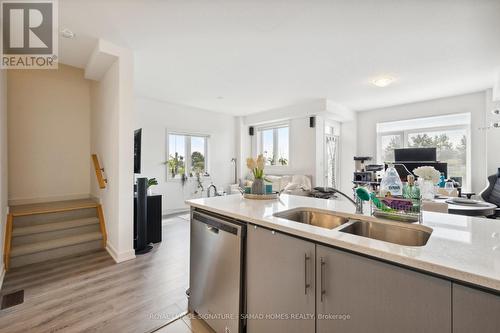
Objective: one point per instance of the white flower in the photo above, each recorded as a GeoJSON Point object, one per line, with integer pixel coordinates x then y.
{"type": "Point", "coordinates": [251, 164]}
{"type": "Point", "coordinates": [427, 173]}
{"type": "Point", "coordinates": [261, 162]}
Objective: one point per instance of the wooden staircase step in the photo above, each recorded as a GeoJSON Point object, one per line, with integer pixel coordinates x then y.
{"type": "Point", "coordinates": [51, 230]}
{"type": "Point", "coordinates": [57, 254]}
{"type": "Point", "coordinates": [48, 227]}
{"type": "Point", "coordinates": [52, 207]}
{"type": "Point", "coordinates": [26, 249]}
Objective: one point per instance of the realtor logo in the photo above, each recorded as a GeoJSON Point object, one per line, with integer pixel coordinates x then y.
{"type": "Point", "coordinates": [29, 34]}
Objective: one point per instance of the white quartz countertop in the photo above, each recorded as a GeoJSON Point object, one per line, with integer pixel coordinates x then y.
{"type": "Point", "coordinates": [461, 248]}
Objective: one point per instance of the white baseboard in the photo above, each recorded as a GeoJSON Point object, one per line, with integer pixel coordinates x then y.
{"type": "Point", "coordinates": [2, 275]}
{"type": "Point", "coordinates": [27, 201]}
{"type": "Point", "coordinates": [120, 257]}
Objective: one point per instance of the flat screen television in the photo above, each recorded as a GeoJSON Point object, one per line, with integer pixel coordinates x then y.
{"type": "Point", "coordinates": [137, 150]}
{"type": "Point", "coordinates": [415, 155]}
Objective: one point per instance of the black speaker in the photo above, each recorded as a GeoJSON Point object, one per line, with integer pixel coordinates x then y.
{"type": "Point", "coordinates": [251, 130]}
{"type": "Point", "coordinates": [312, 122]}
{"type": "Point", "coordinates": [142, 245]}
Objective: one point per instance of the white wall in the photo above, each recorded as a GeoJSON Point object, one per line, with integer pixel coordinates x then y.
{"type": "Point", "coordinates": [307, 144]}
{"type": "Point", "coordinates": [3, 164]}
{"type": "Point", "coordinates": [348, 149]}
{"type": "Point", "coordinates": [49, 134]}
{"type": "Point", "coordinates": [496, 88]}
{"type": "Point", "coordinates": [302, 142]}
{"type": "Point", "coordinates": [473, 103]}
{"type": "Point", "coordinates": [492, 135]}
{"type": "Point", "coordinates": [302, 150]}
{"type": "Point", "coordinates": [155, 118]}
{"type": "Point", "coordinates": [112, 140]}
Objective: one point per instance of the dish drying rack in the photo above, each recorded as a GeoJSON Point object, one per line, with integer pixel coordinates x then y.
{"type": "Point", "coordinates": [398, 209]}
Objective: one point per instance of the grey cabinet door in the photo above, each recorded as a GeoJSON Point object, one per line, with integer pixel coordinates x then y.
{"type": "Point", "coordinates": [358, 294]}
{"type": "Point", "coordinates": [475, 310]}
{"type": "Point", "coordinates": [280, 283]}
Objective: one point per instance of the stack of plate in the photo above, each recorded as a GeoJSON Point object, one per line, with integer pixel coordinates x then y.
{"type": "Point", "coordinates": [463, 201]}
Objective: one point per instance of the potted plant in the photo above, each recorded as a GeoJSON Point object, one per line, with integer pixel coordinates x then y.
{"type": "Point", "coordinates": [175, 165]}
{"type": "Point", "coordinates": [257, 169]}
{"type": "Point", "coordinates": [199, 183]}
{"type": "Point", "coordinates": [283, 161]}
{"type": "Point", "coordinates": [151, 182]}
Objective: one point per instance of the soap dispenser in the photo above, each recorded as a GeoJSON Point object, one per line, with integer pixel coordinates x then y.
{"type": "Point", "coordinates": [391, 184]}
{"type": "Point", "coordinates": [410, 190]}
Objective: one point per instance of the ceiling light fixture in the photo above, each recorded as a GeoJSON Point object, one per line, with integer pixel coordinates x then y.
{"type": "Point", "coordinates": [66, 33]}
{"type": "Point", "coordinates": [383, 81]}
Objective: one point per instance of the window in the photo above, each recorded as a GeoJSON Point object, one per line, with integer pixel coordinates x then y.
{"type": "Point", "coordinates": [187, 155]}
{"type": "Point", "coordinates": [273, 143]}
{"type": "Point", "coordinates": [449, 134]}
{"type": "Point", "coordinates": [388, 143]}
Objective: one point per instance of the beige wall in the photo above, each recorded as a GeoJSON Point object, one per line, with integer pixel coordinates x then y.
{"type": "Point", "coordinates": [49, 134]}
{"type": "Point", "coordinates": [3, 163]}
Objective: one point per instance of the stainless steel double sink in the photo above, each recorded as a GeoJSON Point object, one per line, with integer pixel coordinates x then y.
{"type": "Point", "coordinates": [392, 232]}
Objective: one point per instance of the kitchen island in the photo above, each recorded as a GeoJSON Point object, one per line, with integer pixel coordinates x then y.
{"type": "Point", "coordinates": [451, 283]}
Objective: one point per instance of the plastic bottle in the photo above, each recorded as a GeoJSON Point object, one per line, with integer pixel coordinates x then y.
{"type": "Point", "coordinates": [442, 180]}
{"type": "Point", "coordinates": [391, 184]}
{"type": "Point", "coordinates": [410, 190]}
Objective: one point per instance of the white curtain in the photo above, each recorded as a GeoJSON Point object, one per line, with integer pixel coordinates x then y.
{"type": "Point", "coordinates": [332, 144]}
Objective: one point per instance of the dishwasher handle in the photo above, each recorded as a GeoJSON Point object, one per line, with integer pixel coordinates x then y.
{"type": "Point", "coordinates": [213, 229]}
{"type": "Point", "coordinates": [214, 223]}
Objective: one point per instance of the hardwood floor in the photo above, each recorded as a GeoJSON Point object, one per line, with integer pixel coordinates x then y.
{"type": "Point", "coordinates": [91, 293]}
{"type": "Point", "coordinates": [187, 324]}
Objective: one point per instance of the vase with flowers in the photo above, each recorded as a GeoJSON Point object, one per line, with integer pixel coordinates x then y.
{"type": "Point", "coordinates": [256, 166]}
{"type": "Point", "coordinates": [428, 177]}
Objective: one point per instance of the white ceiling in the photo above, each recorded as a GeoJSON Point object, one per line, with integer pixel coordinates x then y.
{"type": "Point", "coordinates": [242, 57]}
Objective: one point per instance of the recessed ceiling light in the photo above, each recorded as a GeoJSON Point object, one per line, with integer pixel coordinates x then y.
{"type": "Point", "coordinates": [383, 81]}
{"type": "Point", "coordinates": [66, 33]}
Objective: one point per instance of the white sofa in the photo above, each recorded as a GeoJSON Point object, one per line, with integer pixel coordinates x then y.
{"type": "Point", "coordinates": [291, 184]}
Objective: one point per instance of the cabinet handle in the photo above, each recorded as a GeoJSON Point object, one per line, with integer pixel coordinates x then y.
{"type": "Point", "coordinates": [322, 274]}
{"type": "Point", "coordinates": [306, 285]}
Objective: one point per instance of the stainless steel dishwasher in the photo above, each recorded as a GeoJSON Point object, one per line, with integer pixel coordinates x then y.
{"type": "Point", "coordinates": [216, 270]}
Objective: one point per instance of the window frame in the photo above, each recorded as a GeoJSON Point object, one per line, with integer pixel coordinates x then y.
{"type": "Point", "coordinates": [258, 142]}
{"type": "Point", "coordinates": [379, 142]}
{"type": "Point", "coordinates": [187, 151]}
{"type": "Point", "coordinates": [406, 133]}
